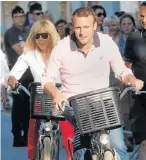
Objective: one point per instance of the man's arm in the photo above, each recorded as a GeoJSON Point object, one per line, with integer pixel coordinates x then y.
{"type": "Point", "coordinates": [18, 48]}
{"type": "Point", "coordinates": [120, 69]}
{"type": "Point", "coordinates": [50, 76]}
{"type": "Point", "coordinates": [13, 41]}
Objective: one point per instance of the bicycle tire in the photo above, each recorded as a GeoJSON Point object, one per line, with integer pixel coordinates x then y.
{"type": "Point", "coordinates": [46, 151]}
{"type": "Point", "coordinates": [56, 148]}
{"type": "Point", "coordinates": [38, 151]}
{"type": "Point", "coordinates": [110, 155]}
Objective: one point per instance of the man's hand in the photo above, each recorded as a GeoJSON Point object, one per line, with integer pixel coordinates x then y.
{"type": "Point", "coordinates": [12, 81]}
{"type": "Point", "coordinates": [131, 80]}
{"type": "Point", "coordinates": [58, 99]}
{"type": "Point", "coordinates": [136, 83]}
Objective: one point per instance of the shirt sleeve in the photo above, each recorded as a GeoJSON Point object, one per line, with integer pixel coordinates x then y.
{"type": "Point", "coordinates": [116, 61]}
{"type": "Point", "coordinates": [4, 68]}
{"type": "Point", "coordinates": [53, 66]}
{"type": "Point", "coordinates": [20, 67]}
{"type": "Point", "coordinates": [127, 51]}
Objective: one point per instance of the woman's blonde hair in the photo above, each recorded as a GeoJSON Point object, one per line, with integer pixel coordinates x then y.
{"type": "Point", "coordinates": [49, 27]}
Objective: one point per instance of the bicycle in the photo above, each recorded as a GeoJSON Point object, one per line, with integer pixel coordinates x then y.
{"type": "Point", "coordinates": [84, 109]}
{"type": "Point", "coordinates": [41, 108]}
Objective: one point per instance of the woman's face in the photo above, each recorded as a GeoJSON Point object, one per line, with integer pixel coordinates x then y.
{"type": "Point", "coordinates": [113, 28]}
{"type": "Point", "coordinates": [127, 25]}
{"type": "Point", "coordinates": [42, 39]}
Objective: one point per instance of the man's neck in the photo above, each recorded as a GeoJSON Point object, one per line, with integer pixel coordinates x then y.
{"type": "Point", "coordinates": [86, 48]}
{"type": "Point", "coordinates": [19, 27]}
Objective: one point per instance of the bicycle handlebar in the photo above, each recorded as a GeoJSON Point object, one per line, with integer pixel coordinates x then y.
{"type": "Point", "coordinates": [18, 87]}
{"type": "Point", "coordinates": [136, 92]}
{"type": "Point", "coordinates": [68, 111]}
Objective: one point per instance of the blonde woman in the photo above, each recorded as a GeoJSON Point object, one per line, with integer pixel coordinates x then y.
{"type": "Point", "coordinates": [39, 44]}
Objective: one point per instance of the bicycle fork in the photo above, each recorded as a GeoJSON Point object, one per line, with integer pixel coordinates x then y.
{"type": "Point", "coordinates": [45, 131]}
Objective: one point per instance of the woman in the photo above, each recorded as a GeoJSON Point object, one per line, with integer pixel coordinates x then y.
{"type": "Point", "coordinates": [112, 25]}
{"type": "Point", "coordinates": [39, 44]}
{"type": "Point", "coordinates": [127, 25]}
{"type": "Point", "coordinates": [42, 38]}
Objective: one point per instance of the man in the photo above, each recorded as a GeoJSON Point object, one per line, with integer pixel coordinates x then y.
{"type": "Point", "coordinates": [83, 62]}
{"type": "Point", "coordinates": [14, 40]}
{"type": "Point", "coordinates": [15, 37]}
{"type": "Point", "coordinates": [101, 14]}
{"type": "Point", "coordinates": [61, 27]}
{"type": "Point", "coordinates": [135, 56]}
{"type": "Point", "coordinates": [35, 13]}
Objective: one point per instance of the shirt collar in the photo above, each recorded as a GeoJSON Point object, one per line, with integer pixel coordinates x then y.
{"type": "Point", "coordinates": [74, 46]}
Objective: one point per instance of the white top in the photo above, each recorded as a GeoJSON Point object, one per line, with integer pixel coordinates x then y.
{"type": "Point", "coordinates": [80, 74]}
{"type": "Point", "coordinates": [33, 60]}
{"type": "Point", "coordinates": [4, 68]}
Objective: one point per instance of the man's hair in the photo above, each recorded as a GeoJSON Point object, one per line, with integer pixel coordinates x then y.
{"type": "Point", "coordinates": [85, 12]}
{"type": "Point", "coordinates": [143, 4]}
{"type": "Point", "coordinates": [95, 7]}
{"type": "Point", "coordinates": [35, 6]}
{"type": "Point", "coordinates": [60, 21]}
{"type": "Point", "coordinates": [119, 14]}
{"type": "Point", "coordinates": [16, 10]}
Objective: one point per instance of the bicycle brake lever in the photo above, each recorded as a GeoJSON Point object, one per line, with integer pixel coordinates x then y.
{"type": "Point", "coordinates": [15, 90]}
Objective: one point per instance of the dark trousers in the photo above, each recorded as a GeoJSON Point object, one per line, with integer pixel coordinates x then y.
{"type": "Point", "coordinates": [20, 115]}
{"type": "Point", "coordinates": [20, 110]}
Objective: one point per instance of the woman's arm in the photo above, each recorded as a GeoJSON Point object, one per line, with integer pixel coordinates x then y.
{"type": "Point", "coordinates": [17, 71]}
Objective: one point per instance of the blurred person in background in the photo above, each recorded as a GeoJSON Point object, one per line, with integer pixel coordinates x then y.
{"type": "Point", "coordinates": [36, 14]}
{"type": "Point", "coordinates": [112, 23]}
{"type": "Point", "coordinates": [101, 14]}
{"type": "Point", "coordinates": [127, 25]}
{"type": "Point", "coordinates": [61, 26]}
{"type": "Point", "coordinates": [48, 16]}
{"type": "Point", "coordinates": [135, 57]}
{"type": "Point", "coordinates": [41, 40]}
{"type": "Point", "coordinates": [28, 14]}
{"type": "Point", "coordinates": [14, 40]}
{"type": "Point", "coordinates": [69, 29]}
{"type": "Point", "coordinates": [119, 14]}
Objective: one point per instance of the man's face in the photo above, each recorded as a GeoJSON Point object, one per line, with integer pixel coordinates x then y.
{"type": "Point", "coordinates": [37, 15]}
{"type": "Point", "coordinates": [19, 19]}
{"type": "Point", "coordinates": [100, 16]}
{"type": "Point", "coordinates": [61, 29]}
{"type": "Point", "coordinates": [143, 15]}
{"type": "Point", "coordinates": [84, 28]}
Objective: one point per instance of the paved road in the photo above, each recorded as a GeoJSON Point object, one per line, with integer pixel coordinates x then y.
{"type": "Point", "coordinates": [12, 153]}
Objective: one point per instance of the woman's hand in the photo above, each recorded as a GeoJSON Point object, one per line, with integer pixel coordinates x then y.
{"type": "Point", "coordinates": [12, 81]}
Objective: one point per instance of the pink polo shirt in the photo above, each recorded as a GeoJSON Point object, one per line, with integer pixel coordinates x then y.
{"type": "Point", "coordinates": [80, 74]}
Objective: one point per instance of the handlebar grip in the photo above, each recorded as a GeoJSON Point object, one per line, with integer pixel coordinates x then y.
{"type": "Point", "coordinates": [68, 113]}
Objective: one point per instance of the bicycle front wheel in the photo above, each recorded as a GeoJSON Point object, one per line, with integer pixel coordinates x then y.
{"type": "Point", "coordinates": [110, 155]}
{"type": "Point", "coordinates": [46, 152]}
